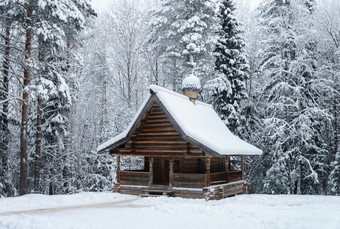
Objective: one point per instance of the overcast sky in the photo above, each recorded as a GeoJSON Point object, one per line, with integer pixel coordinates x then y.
{"type": "Point", "coordinates": [101, 5]}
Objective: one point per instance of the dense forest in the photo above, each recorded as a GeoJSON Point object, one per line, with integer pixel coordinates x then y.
{"type": "Point", "coordinates": [72, 78]}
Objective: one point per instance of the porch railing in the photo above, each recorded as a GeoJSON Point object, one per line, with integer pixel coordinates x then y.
{"type": "Point", "coordinates": [225, 177]}
{"type": "Point", "coordinates": [134, 178]}
{"type": "Point", "coordinates": [189, 180]}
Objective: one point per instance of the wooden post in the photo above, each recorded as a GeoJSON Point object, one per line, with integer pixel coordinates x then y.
{"type": "Point", "coordinates": [150, 171]}
{"type": "Point", "coordinates": [207, 175]}
{"type": "Point", "coordinates": [242, 166]}
{"type": "Point", "coordinates": [171, 172]}
{"type": "Point", "coordinates": [227, 166]}
{"type": "Point", "coordinates": [117, 175]}
{"type": "Point", "coordinates": [227, 163]}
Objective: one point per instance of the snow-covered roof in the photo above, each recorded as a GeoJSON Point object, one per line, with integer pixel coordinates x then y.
{"type": "Point", "coordinates": [198, 122]}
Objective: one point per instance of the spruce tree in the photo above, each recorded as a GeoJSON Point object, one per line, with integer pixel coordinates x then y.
{"type": "Point", "coordinates": [229, 87]}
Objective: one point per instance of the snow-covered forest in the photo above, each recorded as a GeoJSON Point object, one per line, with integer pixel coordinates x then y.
{"type": "Point", "coordinates": [72, 78]}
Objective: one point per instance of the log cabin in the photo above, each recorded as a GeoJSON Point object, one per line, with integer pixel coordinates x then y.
{"type": "Point", "coordinates": [186, 148]}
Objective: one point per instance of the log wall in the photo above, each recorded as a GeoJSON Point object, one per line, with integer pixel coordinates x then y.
{"type": "Point", "coordinates": [156, 136]}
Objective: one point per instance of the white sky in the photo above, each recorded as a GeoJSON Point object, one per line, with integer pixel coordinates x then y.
{"type": "Point", "coordinates": [102, 5]}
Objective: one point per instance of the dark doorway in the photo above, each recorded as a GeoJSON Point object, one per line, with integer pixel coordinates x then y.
{"type": "Point", "coordinates": [167, 169]}
{"type": "Point", "coordinates": [161, 171]}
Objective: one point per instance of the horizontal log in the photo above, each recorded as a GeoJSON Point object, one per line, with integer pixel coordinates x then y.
{"type": "Point", "coordinates": [133, 173]}
{"type": "Point", "coordinates": [189, 195]}
{"type": "Point", "coordinates": [160, 149]}
{"type": "Point", "coordinates": [156, 120]}
{"type": "Point", "coordinates": [156, 129]}
{"type": "Point", "coordinates": [189, 177]}
{"type": "Point", "coordinates": [179, 156]}
{"type": "Point", "coordinates": [170, 134]}
{"type": "Point", "coordinates": [154, 116]}
{"type": "Point", "coordinates": [221, 176]}
{"type": "Point", "coordinates": [156, 124]}
{"type": "Point", "coordinates": [134, 182]}
{"type": "Point", "coordinates": [198, 151]}
{"type": "Point", "coordinates": [167, 134]}
{"type": "Point", "coordinates": [150, 152]}
{"type": "Point", "coordinates": [157, 142]}
{"type": "Point", "coordinates": [156, 113]}
{"type": "Point", "coordinates": [233, 176]}
{"type": "Point", "coordinates": [189, 184]}
{"type": "Point", "coordinates": [232, 192]}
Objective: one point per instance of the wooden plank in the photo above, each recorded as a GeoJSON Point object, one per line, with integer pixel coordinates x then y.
{"type": "Point", "coordinates": [151, 171]}
{"type": "Point", "coordinates": [156, 124]}
{"type": "Point", "coordinates": [242, 166]}
{"type": "Point", "coordinates": [160, 116]}
{"type": "Point", "coordinates": [191, 177]}
{"type": "Point", "coordinates": [218, 177]}
{"type": "Point", "coordinates": [118, 169]}
{"type": "Point", "coordinates": [156, 120]}
{"type": "Point", "coordinates": [227, 163]}
{"type": "Point", "coordinates": [233, 176]}
{"type": "Point", "coordinates": [171, 172]}
{"type": "Point", "coordinates": [207, 177]}
{"type": "Point", "coordinates": [160, 147]}
{"type": "Point", "coordinates": [156, 142]}
{"type": "Point", "coordinates": [157, 129]}
{"type": "Point", "coordinates": [189, 184]}
{"type": "Point", "coordinates": [159, 134]}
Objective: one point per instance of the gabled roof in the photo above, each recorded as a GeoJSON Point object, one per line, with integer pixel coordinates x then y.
{"type": "Point", "coordinates": [196, 123]}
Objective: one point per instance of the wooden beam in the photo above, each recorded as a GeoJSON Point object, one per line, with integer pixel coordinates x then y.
{"type": "Point", "coordinates": [150, 171]}
{"type": "Point", "coordinates": [161, 155]}
{"type": "Point", "coordinates": [242, 166]}
{"type": "Point", "coordinates": [171, 172]}
{"type": "Point", "coordinates": [117, 174]}
{"type": "Point", "coordinates": [227, 163]}
{"type": "Point", "coordinates": [207, 174]}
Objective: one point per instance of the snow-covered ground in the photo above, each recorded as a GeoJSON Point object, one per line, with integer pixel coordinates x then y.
{"type": "Point", "coordinates": [112, 210]}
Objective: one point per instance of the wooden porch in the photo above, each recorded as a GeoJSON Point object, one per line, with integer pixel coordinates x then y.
{"type": "Point", "coordinates": [173, 180]}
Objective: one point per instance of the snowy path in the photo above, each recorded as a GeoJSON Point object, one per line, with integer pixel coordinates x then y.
{"type": "Point", "coordinates": [116, 204]}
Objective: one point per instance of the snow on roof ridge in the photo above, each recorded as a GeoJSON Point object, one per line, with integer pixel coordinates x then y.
{"type": "Point", "coordinates": [157, 88]}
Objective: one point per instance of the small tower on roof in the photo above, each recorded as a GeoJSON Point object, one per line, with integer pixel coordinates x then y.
{"type": "Point", "coordinates": [191, 85]}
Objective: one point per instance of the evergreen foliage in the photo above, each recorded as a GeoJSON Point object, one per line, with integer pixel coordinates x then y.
{"type": "Point", "coordinates": [83, 80]}
{"type": "Point", "coordinates": [228, 89]}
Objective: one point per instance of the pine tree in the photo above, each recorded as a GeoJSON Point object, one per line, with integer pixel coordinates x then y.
{"type": "Point", "coordinates": [229, 87]}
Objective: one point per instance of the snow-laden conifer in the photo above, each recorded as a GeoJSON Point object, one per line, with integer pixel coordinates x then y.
{"type": "Point", "coordinates": [228, 88]}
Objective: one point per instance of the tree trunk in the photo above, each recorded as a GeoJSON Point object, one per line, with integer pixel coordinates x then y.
{"type": "Point", "coordinates": [38, 147]}
{"type": "Point", "coordinates": [336, 125]}
{"type": "Point", "coordinates": [24, 114]}
{"type": "Point", "coordinates": [68, 55]}
{"type": "Point", "coordinates": [4, 116]}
